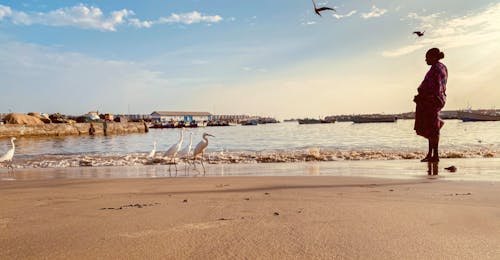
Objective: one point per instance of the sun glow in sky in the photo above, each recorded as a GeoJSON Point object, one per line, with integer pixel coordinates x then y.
{"type": "Point", "coordinates": [259, 57]}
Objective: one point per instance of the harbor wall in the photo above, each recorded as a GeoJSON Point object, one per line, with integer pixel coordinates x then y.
{"type": "Point", "coordinates": [15, 130]}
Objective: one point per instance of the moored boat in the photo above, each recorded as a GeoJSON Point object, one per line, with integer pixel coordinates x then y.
{"type": "Point", "coordinates": [250, 122]}
{"type": "Point", "coordinates": [475, 116]}
{"type": "Point", "coordinates": [375, 119]}
{"type": "Point", "coordinates": [306, 121]}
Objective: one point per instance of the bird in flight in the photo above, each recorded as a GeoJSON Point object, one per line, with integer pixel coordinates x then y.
{"type": "Point", "coordinates": [419, 33]}
{"type": "Point", "coordinates": [318, 10]}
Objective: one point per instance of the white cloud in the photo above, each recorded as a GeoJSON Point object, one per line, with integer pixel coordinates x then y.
{"type": "Point", "coordinates": [90, 17]}
{"type": "Point", "coordinates": [340, 16]}
{"type": "Point", "coordinates": [81, 16]}
{"type": "Point", "coordinates": [403, 50]}
{"type": "Point", "coordinates": [471, 29]}
{"type": "Point", "coordinates": [140, 24]}
{"type": "Point", "coordinates": [61, 79]}
{"type": "Point", "coordinates": [5, 11]}
{"type": "Point", "coordinates": [309, 23]}
{"type": "Point", "coordinates": [375, 12]}
{"type": "Point", "coordinates": [190, 18]}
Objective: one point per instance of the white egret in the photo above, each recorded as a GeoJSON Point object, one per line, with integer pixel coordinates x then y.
{"type": "Point", "coordinates": [200, 149]}
{"type": "Point", "coordinates": [153, 152]}
{"type": "Point", "coordinates": [174, 149]}
{"type": "Point", "coordinates": [7, 157]}
{"type": "Point", "coordinates": [186, 151]}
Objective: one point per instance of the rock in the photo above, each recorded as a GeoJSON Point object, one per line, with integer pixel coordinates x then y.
{"type": "Point", "coordinates": [451, 168]}
{"type": "Point", "coordinates": [85, 163]}
{"type": "Point", "coordinates": [22, 119]}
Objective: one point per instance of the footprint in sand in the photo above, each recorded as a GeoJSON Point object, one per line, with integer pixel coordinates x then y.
{"type": "Point", "coordinates": [4, 222]}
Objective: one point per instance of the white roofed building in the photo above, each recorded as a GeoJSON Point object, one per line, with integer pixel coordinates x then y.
{"type": "Point", "coordinates": [168, 116]}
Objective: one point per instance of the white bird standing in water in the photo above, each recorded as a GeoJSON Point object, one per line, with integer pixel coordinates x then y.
{"type": "Point", "coordinates": [153, 152]}
{"type": "Point", "coordinates": [187, 149]}
{"type": "Point", "coordinates": [174, 149]}
{"type": "Point", "coordinates": [7, 157]}
{"type": "Point", "coordinates": [200, 149]}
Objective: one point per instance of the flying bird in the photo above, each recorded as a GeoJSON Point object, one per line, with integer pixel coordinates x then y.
{"type": "Point", "coordinates": [419, 33]}
{"type": "Point", "coordinates": [7, 157]}
{"type": "Point", "coordinates": [321, 9]}
{"type": "Point", "coordinates": [200, 149]}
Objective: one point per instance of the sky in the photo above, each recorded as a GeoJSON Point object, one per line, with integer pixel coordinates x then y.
{"type": "Point", "coordinates": [255, 57]}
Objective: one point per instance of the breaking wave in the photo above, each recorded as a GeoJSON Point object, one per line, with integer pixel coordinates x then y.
{"type": "Point", "coordinates": [282, 156]}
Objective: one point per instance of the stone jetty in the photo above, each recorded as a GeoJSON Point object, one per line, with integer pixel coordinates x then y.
{"type": "Point", "coordinates": [109, 128]}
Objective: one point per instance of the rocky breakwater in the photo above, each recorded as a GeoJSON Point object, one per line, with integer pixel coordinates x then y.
{"type": "Point", "coordinates": [108, 128]}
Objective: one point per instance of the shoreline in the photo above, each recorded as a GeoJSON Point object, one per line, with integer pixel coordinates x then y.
{"type": "Point", "coordinates": [471, 169]}
{"type": "Point", "coordinates": [249, 217]}
{"type": "Point", "coordinates": [314, 154]}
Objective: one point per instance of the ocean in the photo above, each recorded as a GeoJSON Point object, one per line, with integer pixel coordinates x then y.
{"type": "Point", "coordinates": [282, 142]}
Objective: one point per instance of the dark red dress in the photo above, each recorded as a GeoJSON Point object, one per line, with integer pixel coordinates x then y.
{"type": "Point", "coordinates": [430, 100]}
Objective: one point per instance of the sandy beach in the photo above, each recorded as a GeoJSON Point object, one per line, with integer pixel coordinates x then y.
{"type": "Point", "coordinates": [300, 217]}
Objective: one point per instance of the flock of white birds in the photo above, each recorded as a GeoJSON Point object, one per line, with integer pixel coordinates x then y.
{"type": "Point", "coordinates": [172, 153]}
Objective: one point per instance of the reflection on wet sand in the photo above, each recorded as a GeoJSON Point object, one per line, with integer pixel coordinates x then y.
{"type": "Point", "coordinates": [432, 168]}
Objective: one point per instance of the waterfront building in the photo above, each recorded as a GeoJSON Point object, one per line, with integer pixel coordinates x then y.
{"type": "Point", "coordinates": [230, 118]}
{"type": "Point", "coordinates": [176, 116]}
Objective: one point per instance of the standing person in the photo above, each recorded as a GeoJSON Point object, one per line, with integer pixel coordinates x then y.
{"type": "Point", "coordinates": [430, 100]}
{"type": "Point", "coordinates": [91, 129]}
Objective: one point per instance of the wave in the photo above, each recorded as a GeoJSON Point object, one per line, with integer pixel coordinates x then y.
{"type": "Point", "coordinates": [274, 156]}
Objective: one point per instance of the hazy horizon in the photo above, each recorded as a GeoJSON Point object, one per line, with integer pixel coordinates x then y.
{"type": "Point", "coordinates": [257, 58]}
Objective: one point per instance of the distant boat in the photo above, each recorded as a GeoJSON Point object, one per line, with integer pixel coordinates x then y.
{"type": "Point", "coordinates": [218, 123]}
{"type": "Point", "coordinates": [474, 116]}
{"type": "Point", "coordinates": [307, 121]}
{"type": "Point", "coordinates": [374, 119]}
{"type": "Point", "coordinates": [250, 122]}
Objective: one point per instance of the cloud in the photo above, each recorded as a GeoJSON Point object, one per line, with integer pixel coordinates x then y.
{"type": "Point", "coordinates": [190, 18]}
{"type": "Point", "coordinates": [75, 83]}
{"type": "Point", "coordinates": [471, 29]}
{"type": "Point", "coordinates": [80, 16]}
{"type": "Point", "coordinates": [4, 11]}
{"type": "Point", "coordinates": [340, 16]}
{"type": "Point", "coordinates": [140, 24]}
{"type": "Point", "coordinates": [309, 23]}
{"type": "Point", "coordinates": [375, 12]}
{"type": "Point", "coordinates": [90, 17]}
{"type": "Point", "coordinates": [403, 50]}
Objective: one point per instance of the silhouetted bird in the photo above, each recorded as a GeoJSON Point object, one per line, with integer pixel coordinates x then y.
{"type": "Point", "coordinates": [321, 9]}
{"type": "Point", "coordinates": [419, 33]}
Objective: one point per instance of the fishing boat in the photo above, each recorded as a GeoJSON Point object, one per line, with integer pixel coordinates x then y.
{"type": "Point", "coordinates": [475, 116]}
{"type": "Point", "coordinates": [250, 122]}
{"type": "Point", "coordinates": [375, 119]}
{"type": "Point", "coordinates": [307, 121]}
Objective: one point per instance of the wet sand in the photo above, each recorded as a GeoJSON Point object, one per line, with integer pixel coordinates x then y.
{"type": "Point", "coordinates": [299, 217]}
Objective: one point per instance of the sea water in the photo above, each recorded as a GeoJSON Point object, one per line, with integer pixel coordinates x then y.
{"type": "Point", "coordinates": [282, 142]}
